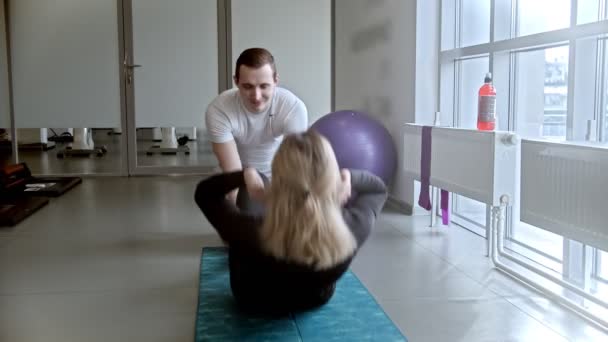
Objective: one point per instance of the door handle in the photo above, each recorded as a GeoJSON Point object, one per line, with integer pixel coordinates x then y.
{"type": "Point", "coordinates": [129, 69]}
{"type": "Point", "coordinates": [127, 65]}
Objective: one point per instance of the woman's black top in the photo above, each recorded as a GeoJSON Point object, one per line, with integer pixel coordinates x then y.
{"type": "Point", "coordinates": [263, 283]}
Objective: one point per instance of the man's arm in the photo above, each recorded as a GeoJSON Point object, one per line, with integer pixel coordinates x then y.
{"type": "Point", "coordinates": [227, 155]}
{"type": "Point", "coordinates": [229, 160]}
{"type": "Point", "coordinates": [296, 120]}
{"type": "Point", "coordinates": [222, 142]}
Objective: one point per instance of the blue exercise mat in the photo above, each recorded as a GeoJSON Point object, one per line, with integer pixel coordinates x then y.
{"type": "Point", "coordinates": [351, 315]}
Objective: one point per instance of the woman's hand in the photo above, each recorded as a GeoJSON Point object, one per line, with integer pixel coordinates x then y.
{"type": "Point", "coordinates": [344, 190]}
{"type": "Point", "coordinates": [254, 184]}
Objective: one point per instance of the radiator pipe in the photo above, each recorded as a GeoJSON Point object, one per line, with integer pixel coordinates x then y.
{"type": "Point", "coordinates": [498, 219]}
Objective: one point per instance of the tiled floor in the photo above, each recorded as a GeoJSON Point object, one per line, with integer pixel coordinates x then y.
{"type": "Point", "coordinates": [116, 259]}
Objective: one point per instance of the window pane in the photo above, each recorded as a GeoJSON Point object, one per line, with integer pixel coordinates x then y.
{"type": "Point", "coordinates": [541, 92]}
{"type": "Point", "coordinates": [588, 11]}
{"type": "Point", "coordinates": [585, 89]}
{"type": "Point", "coordinates": [603, 263]}
{"type": "Point", "coordinates": [472, 73]}
{"type": "Point", "coordinates": [541, 240]}
{"type": "Point", "coordinates": [534, 17]}
{"type": "Point", "coordinates": [471, 210]}
{"type": "Point", "coordinates": [605, 102]}
{"type": "Point", "coordinates": [448, 24]}
{"type": "Point", "coordinates": [502, 19]}
{"type": "Point", "coordinates": [475, 22]}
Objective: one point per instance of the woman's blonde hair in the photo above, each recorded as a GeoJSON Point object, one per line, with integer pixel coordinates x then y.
{"type": "Point", "coordinates": [304, 221]}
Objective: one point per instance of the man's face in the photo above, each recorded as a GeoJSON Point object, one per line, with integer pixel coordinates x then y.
{"type": "Point", "coordinates": [256, 87]}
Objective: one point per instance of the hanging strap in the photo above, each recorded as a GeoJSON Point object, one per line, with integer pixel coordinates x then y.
{"type": "Point", "coordinates": [425, 168]}
{"type": "Point", "coordinates": [425, 177]}
{"type": "Point", "coordinates": [445, 213]}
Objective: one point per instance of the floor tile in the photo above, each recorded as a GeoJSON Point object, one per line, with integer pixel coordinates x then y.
{"type": "Point", "coordinates": [134, 315]}
{"type": "Point", "coordinates": [495, 319]}
{"type": "Point", "coordinates": [117, 259]}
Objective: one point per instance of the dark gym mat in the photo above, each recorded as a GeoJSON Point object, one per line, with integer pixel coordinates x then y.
{"type": "Point", "coordinates": [17, 180]}
{"type": "Point", "coordinates": [14, 211]}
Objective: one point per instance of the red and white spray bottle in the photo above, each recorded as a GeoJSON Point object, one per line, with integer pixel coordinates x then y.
{"type": "Point", "coordinates": [486, 105]}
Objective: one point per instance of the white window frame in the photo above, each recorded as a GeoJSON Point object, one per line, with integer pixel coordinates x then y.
{"type": "Point", "coordinates": [580, 263]}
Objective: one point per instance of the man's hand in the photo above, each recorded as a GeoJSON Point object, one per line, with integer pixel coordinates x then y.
{"type": "Point", "coordinates": [232, 195]}
{"type": "Point", "coordinates": [254, 184]}
{"type": "Point", "coordinates": [344, 188]}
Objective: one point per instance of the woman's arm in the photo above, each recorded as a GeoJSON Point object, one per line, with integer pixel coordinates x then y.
{"type": "Point", "coordinates": [232, 225]}
{"type": "Point", "coordinates": [368, 197]}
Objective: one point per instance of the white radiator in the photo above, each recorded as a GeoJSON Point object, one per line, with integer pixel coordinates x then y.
{"type": "Point", "coordinates": [476, 164]}
{"type": "Point", "coordinates": [564, 189]}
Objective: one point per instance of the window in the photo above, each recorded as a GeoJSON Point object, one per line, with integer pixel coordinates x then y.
{"type": "Point", "coordinates": [552, 84]}
{"type": "Point", "coordinates": [471, 72]}
{"type": "Point", "coordinates": [476, 22]}
{"type": "Point", "coordinates": [604, 98]}
{"type": "Point", "coordinates": [534, 17]}
{"type": "Point", "coordinates": [541, 92]}
{"type": "Point", "coordinates": [470, 214]}
{"type": "Point", "coordinates": [588, 11]}
{"type": "Point", "coordinates": [602, 265]}
{"type": "Point", "coordinates": [536, 244]}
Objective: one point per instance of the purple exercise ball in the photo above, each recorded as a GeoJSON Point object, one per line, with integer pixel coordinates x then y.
{"type": "Point", "coordinates": [359, 142]}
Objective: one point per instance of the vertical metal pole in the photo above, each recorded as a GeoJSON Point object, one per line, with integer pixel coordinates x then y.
{"type": "Point", "coordinates": [11, 106]}
{"type": "Point", "coordinates": [433, 206]}
{"type": "Point", "coordinates": [489, 230]}
{"type": "Point", "coordinates": [333, 56]}
{"type": "Point", "coordinates": [434, 190]}
{"type": "Point", "coordinates": [124, 119]}
{"type": "Point", "coordinates": [127, 14]}
{"type": "Point", "coordinates": [224, 40]}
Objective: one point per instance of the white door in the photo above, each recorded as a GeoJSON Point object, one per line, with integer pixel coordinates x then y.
{"type": "Point", "coordinates": [65, 68]}
{"type": "Point", "coordinates": [174, 68]}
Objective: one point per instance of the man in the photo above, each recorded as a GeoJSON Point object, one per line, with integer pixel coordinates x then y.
{"type": "Point", "coordinates": [246, 125]}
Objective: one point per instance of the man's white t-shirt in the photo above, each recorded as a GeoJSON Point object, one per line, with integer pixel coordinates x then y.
{"type": "Point", "coordinates": [257, 135]}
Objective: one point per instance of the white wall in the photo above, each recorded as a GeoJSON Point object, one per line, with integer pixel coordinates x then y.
{"type": "Point", "coordinates": [427, 75]}
{"type": "Point", "coordinates": [4, 106]}
{"type": "Point", "coordinates": [298, 34]}
{"type": "Point", "coordinates": [386, 64]}
{"type": "Point", "coordinates": [375, 54]}
{"type": "Point", "coordinates": [427, 59]}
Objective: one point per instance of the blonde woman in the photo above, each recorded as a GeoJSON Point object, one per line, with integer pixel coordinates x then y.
{"type": "Point", "coordinates": [290, 257]}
